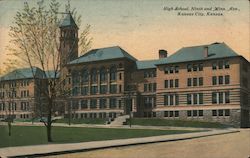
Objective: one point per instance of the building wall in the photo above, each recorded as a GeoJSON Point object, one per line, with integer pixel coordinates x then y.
{"type": "Point", "coordinates": [20, 105]}
{"type": "Point", "coordinates": [206, 89]}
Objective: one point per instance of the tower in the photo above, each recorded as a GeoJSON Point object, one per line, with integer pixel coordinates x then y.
{"type": "Point", "coordinates": [68, 40]}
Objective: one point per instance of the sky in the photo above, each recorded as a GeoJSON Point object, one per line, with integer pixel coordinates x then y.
{"type": "Point", "coordinates": [142, 27]}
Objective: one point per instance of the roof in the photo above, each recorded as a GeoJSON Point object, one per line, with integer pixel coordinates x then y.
{"type": "Point", "coordinates": [148, 64]}
{"type": "Point", "coordinates": [23, 73]}
{"type": "Point", "coordinates": [51, 74]}
{"type": "Point", "coordinates": [68, 21]}
{"type": "Point", "coordinates": [101, 54]}
{"type": "Point", "coordinates": [196, 53]}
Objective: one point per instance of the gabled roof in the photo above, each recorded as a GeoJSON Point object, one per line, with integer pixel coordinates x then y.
{"type": "Point", "coordinates": [103, 54]}
{"type": "Point", "coordinates": [148, 64]}
{"type": "Point", "coordinates": [195, 53]}
{"type": "Point", "coordinates": [68, 21]}
{"type": "Point", "coordinates": [23, 73]}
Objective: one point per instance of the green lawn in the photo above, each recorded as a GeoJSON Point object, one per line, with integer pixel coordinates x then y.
{"type": "Point", "coordinates": [32, 135]}
{"type": "Point", "coordinates": [175, 123]}
{"type": "Point", "coordinates": [82, 121]}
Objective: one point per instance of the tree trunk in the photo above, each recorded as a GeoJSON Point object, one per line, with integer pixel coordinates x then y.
{"type": "Point", "coordinates": [49, 133]}
{"type": "Point", "coordinates": [49, 121]}
{"type": "Point", "coordinates": [9, 125]}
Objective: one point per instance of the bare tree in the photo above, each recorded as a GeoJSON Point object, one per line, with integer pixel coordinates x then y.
{"type": "Point", "coordinates": [35, 39]}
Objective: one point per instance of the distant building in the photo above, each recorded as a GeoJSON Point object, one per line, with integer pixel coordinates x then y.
{"type": "Point", "coordinates": [207, 82]}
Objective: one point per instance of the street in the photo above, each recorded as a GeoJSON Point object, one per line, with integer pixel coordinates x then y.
{"type": "Point", "coordinates": [234, 145]}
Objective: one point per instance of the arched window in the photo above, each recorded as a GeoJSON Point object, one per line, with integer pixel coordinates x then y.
{"type": "Point", "coordinates": [103, 74]}
{"type": "Point", "coordinates": [113, 72]}
{"type": "Point", "coordinates": [94, 75]}
{"type": "Point", "coordinates": [85, 76]}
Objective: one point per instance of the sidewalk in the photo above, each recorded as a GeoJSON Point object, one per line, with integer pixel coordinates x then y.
{"type": "Point", "coordinates": [55, 149]}
{"type": "Point", "coordinates": [112, 126]}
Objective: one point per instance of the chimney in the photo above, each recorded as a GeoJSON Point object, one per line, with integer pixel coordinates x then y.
{"type": "Point", "coordinates": [163, 53]}
{"type": "Point", "coordinates": [205, 51]}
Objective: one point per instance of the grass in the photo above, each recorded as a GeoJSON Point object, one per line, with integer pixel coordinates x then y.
{"type": "Point", "coordinates": [34, 135]}
{"type": "Point", "coordinates": [176, 123]}
{"type": "Point", "coordinates": [82, 121]}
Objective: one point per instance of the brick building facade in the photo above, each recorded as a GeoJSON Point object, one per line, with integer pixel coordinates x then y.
{"type": "Point", "coordinates": [207, 82]}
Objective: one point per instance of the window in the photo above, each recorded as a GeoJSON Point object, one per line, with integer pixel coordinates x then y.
{"type": "Point", "coordinates": [214, 79]}
{"type": "Point", "coordinates": [113, 73]}
{"type": "Point", "coordinates": [176, 99]}
{"type": "Point", "coordinates": [93, 103]}
{"type": "Point", "coordinates": [165, 113]}
{"type": "Point", "coordinates": [145, 87]}
{"type": "Point", "coordinates": [154, 87]}
{"type": "Point", "coordinates": [214, 97]}
{"type": "Point", "coordinates": [171, 99]}
{"type": "Point", "coordinates": [200, 81]}
{"type": "Point", "coordinates": [194, 112]}
{"type": "Point", "coordinates": [214, 66]}
{"type": "Point", "coordinates": [194, 81]}
{"type": "Point", "coordinates": [189, 67]}
{"type": "Point", "coordinates": [214, 112]}
{"type": "Point", "coordinates": [85, 76]}
{"type": "Point", "coordinates": [220, 112]}
{"type": "Point", "coordinates": [171, 69]}
{"type": "Point", "coordinates": [75, 91]}
{"type": "Point", "coordinates": [94, 75]}
{"type": "Point", "coordinates": [200, 67]}
{"type": "Point", "coordinates": [176, 69]}
{"type": "Point", "coordinates": [150, 87]}
{"type": "Point", "coordinates": [189, 113]}
{"type": "Point", "coordinates": [145, 74]}
{"type": "Point", "coordinates": [120, 76]}
{"type": "Point", "coordinates": [112, 103]}
{"type": "Point", "coordinates": [194, 67]}
{"type": "Point", "coordinates": [227, 66]}
{"type": "Point", "coordinates": [176, 83]}
{"type": "Point", "coordinates": [220, 79]}
{"type": "Point", "coordinates": [200, 112]}
{"type": "Point", "coordinates": [189, 82]}
{"type": "Point", "coordinates": [195, 98]}
{"type": "Point", "coordinates": [171, 114]}
{"type": "Point", "coordinates": [93, 89]}
{"type": "Point", "coordinates": [220, 64]}
{"type": "Point", "coordinates": [220, 97]}
{"type": "Point", "coordinates": [189, 99]}
{"type": "Point", "coordinates": [113, 88]}
{"type": "Point", "coordinates": [84, 90]}
{"type": "Point", "coordinates": [227, 79]}
{"type": "Point", "coordinates": [200, 98]}
{"type": "Point", "coordinates": [166, 84]}
{"type": "Point", "coordinates": [165, 99]}
{"type": "Point", "coordinates": [171, 83]}
{"type": "Point", "coordinates": [103, 103]}
{"type": "Point", "coordinates": [84, 104]}
{"type": "Point", "coordinates": [227, 97]}
{"type": "Point", "coordinates": [176, 114]}
{"type": "Point", "coordinates": [227, 112]}
{"type": "Point", "coordinates": [103, 74]}
{"type": "Point", "coordinates": [103, 89]}
{"type": "Point", "coordinates": [166, 69]}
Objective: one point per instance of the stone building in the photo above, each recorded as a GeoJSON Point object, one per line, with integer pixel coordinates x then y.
{"type": "Point", "coordinates": [206, 83]}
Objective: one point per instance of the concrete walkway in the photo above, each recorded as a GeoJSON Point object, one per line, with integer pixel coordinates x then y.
{"type": "Point", "coordinates": [54, 149]}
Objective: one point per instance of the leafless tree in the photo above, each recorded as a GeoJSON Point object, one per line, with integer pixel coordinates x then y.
{"type": "Point", "coordinates": [35, 42]}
